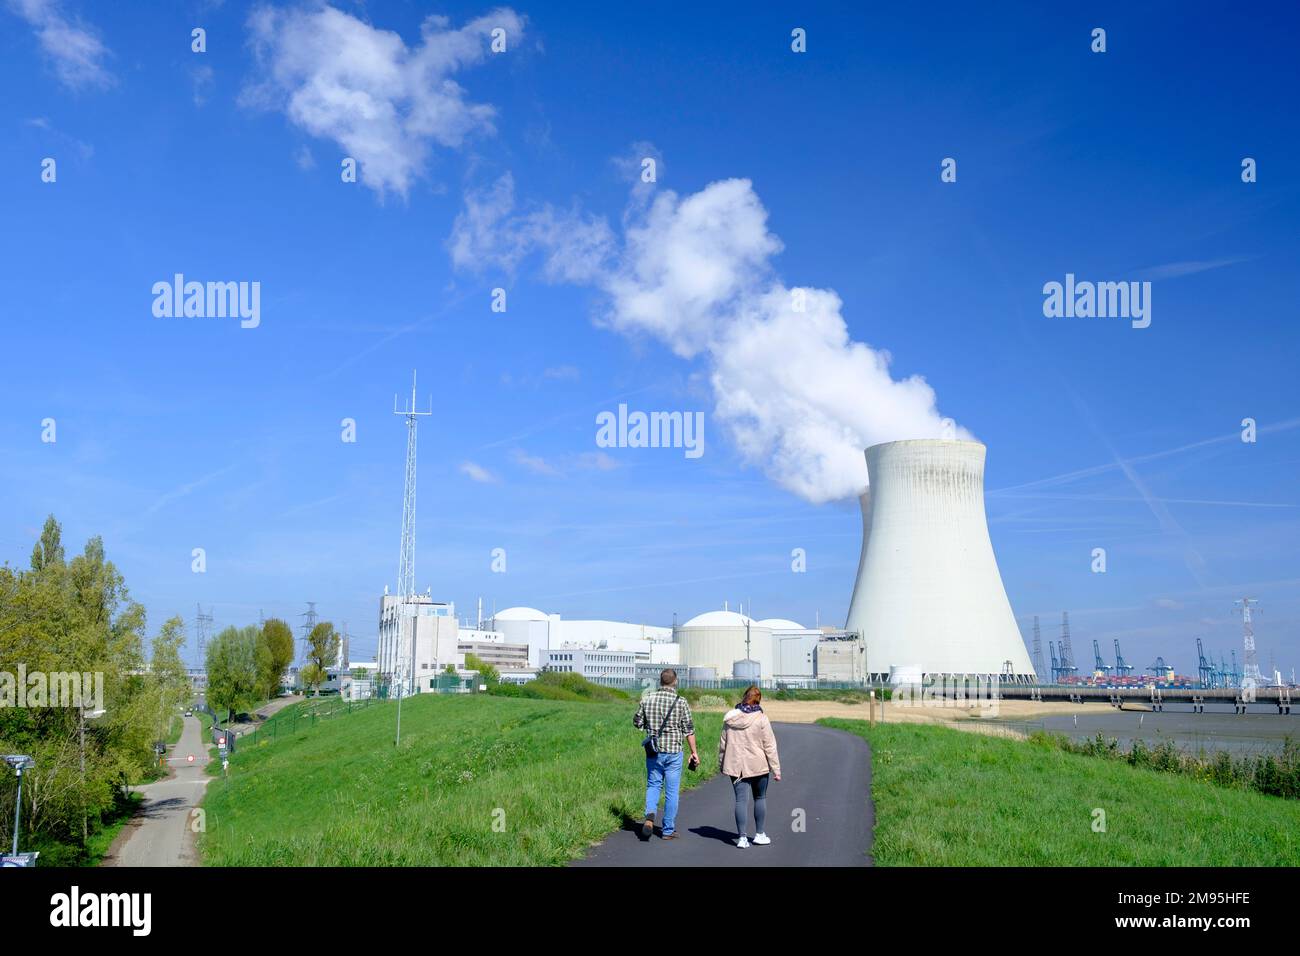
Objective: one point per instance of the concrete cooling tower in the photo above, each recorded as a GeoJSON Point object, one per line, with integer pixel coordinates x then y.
{"type": "Point", "coordinates": [928, 596]}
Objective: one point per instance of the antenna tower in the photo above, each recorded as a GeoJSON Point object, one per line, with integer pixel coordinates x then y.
{"type": "Point", "coordinates": [403, 681]}
{"type": "Point", "coordinates": [1250, 673]}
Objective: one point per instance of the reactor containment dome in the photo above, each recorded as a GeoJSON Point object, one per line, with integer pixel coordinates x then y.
{"type": "Point", "coordinates": [928, 596]}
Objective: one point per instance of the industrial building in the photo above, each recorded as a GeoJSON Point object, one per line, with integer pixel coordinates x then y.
{"type": "Point", "coordinates": [712, 643]}
{"type": "Point", "coordinates": [600, 666]}
{"type": "Point", "coordinates": [929, 598]}
{"type": "Point", "coordinates": [431, 645]}
{"type": "Point", "coordinates": [542, 632]}
{"type": "Point", "coordinates": [501, 655]}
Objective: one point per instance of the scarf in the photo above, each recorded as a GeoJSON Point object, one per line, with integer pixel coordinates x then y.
{"type": "Point", "coordinates": [748, 708]}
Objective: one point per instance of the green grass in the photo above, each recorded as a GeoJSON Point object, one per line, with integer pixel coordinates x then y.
{"type": "Point", "coordinates": [558, 775]}
{"type": "Point", "coordinates": [944, 797]}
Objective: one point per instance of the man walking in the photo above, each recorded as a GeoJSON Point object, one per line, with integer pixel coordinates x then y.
{"type": "Point", "coordinates": [666, 718]}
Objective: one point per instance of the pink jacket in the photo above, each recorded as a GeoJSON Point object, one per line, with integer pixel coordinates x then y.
{"type": "Point", "coordinates": [748, 746]}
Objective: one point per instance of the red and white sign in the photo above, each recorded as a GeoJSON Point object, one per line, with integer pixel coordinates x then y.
{"type": "Point", "coordinates": [221, 741]}
{"type": "Point", "coordinates": [190, 758]}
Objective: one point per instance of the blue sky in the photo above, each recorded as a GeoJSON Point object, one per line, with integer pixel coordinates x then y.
{"type": "Point", "coordinates": [180, 433]}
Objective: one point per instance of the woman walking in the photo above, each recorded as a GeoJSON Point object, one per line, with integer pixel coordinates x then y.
{"type": "Point", "coordinates": [747, 754]}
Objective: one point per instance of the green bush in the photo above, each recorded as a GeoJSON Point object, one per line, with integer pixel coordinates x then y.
{"type": "Point", "coordinates": [553, 685]}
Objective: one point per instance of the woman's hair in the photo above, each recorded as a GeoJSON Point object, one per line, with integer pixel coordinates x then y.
{"type": "Point", "coordinates": [752, 695]}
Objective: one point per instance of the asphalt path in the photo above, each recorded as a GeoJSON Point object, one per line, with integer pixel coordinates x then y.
{"type": "Point", "coordinates": [818, 814]}
{"type": "Point", "coordinates": [160, 833]}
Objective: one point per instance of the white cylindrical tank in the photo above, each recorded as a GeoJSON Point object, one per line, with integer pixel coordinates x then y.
{"type": "Point", "coordinates": [747, 670]}
{"type": "Point", "coordinates": [717, 639]}
{"type": "Point", "coordinates": [928, 593]}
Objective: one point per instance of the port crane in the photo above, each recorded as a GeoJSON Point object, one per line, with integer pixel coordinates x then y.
{"type": "Point", "coordinates": [1067, 665]}
{"type": "Point", "coordinates": [1159, 668]}
{"type": "Point", "coordinates": [1205, 667]}
{"type": "Point", "coordinates": [1101, 666]}
{"type": "Point", "coordinates": [1122, 668]}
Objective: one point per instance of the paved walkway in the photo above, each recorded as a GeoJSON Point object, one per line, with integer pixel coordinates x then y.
{"type": "Point", "coordinates": [159, 834]}
{"type": "Point", "coordinates": [825, 773]}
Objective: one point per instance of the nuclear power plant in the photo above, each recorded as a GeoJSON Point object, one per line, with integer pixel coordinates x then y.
{"type": "Point", "coordinates": [929, 599]}
{"type": "Point", "coordinates": [928, 603]}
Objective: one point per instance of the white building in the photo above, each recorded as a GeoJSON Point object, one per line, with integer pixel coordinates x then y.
{"type": "Point", "coordinates": [793, 650]}
{"type": "Point", "coordinates": [720, 639]}
{"type": "Point", "coordinates": [420, 656]}
{"type": "Point", "coordinates": [928, 595]}
{"type": "Point", "coordinates": [600, 666]}
{"type": "Point", "coordinates": [544, 632]}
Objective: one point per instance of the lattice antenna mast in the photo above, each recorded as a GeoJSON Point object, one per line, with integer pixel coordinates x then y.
{"type": "Point", "coordinates": [202, 630]}
{"type": "Point", "coordinates": [1250, 670]}
{"type": "Point", "coordinates": [307, 625]}
{"type": "Point", "coordinates": [406, 558]}
{"type": "Point", "coordinates": [1038, 649]}
{"type": "Point", "coordinates": [1067, 649]}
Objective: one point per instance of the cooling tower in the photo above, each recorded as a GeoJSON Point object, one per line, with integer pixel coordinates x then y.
{"type": "Point", "coordinates": [928, 594]}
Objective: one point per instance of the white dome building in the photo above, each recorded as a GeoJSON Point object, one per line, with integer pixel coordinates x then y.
{"type": "Point", "coordinates": [527, 625]}
{"type": "Point", "coordinates": [928, 596]}
{"type": "Point", "coordinates": [717, 639]}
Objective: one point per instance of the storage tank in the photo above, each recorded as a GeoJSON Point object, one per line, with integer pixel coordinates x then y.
{"type": "Point", "coordinates": [928, 595]}
{"type": "Point", "coordinates": [717, 639]}
{"type": "Point", "coordinates": [747, 669]}
{"type": "Point", "coordinates": [701, 673]}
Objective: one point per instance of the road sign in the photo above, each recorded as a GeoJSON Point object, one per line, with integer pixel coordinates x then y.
{"type": "Point", "coordinates": [190, 758]}
{"type": "Point", "coordinates": [221, 741]}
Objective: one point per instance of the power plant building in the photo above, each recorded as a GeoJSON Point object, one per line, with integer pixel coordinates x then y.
{"type": "Point", "coordinates": [716, 640]}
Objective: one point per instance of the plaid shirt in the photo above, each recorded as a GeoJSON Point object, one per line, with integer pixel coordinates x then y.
{"type": "Point", "coordinates": [654, 708]}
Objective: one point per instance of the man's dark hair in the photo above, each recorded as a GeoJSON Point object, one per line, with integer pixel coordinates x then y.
{"type": "Point", "coordinates": [667, 677]}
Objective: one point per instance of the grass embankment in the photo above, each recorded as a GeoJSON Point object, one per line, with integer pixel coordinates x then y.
{"type": "Point", "coordinates": [479, 780]}
{"type": "Point", "coordinates": [948, 798]}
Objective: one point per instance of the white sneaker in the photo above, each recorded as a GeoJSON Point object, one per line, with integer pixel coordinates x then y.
{"type": "Point", "coordinates": [762, 839]}
{"type": "Point", "coordinates": [742, 843]}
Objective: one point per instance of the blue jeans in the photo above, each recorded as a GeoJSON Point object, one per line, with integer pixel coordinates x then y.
{"type": "Point", "coordinates": [663, 772]}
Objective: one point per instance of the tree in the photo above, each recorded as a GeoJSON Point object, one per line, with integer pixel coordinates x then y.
{"type": "Point", "coordinates": [323, 654]}
{"type": "Point", "coordinates": [274, 654]}
{"type": "Point", "coordinates": [49, 549]}
{"type": "Point", "coordinates": [232, 669]}
{"type": "Point", "coordinates": [171, 682]}
{"type": "Point", "coordinates": [74, 617]}
{"type": "Point", "coordinates": [487, 673]}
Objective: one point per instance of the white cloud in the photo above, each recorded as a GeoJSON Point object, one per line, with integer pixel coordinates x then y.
{"type": "Point", "coordinates": [382, 102]}
{"type": "Point", "coordinates": [596, 461]}
{"type": "Point", "coordinates": [797, 395]}
{"type": "Point", "coordinates": [478, 473]}
{"type": "Point", "coordinates": [74, 48]}
{"type": "Point", "coordinates": [202, 78]}
{"type": "Point", "coordinates": [1176, 270]}
{"type": "Point", "coordinates": [537, 464]}
{"type": "Point", "coordinates": [488, 232]}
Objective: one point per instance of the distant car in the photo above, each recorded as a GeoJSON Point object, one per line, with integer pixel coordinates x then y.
{"type": "Point", "coordinates": [189, 713]}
